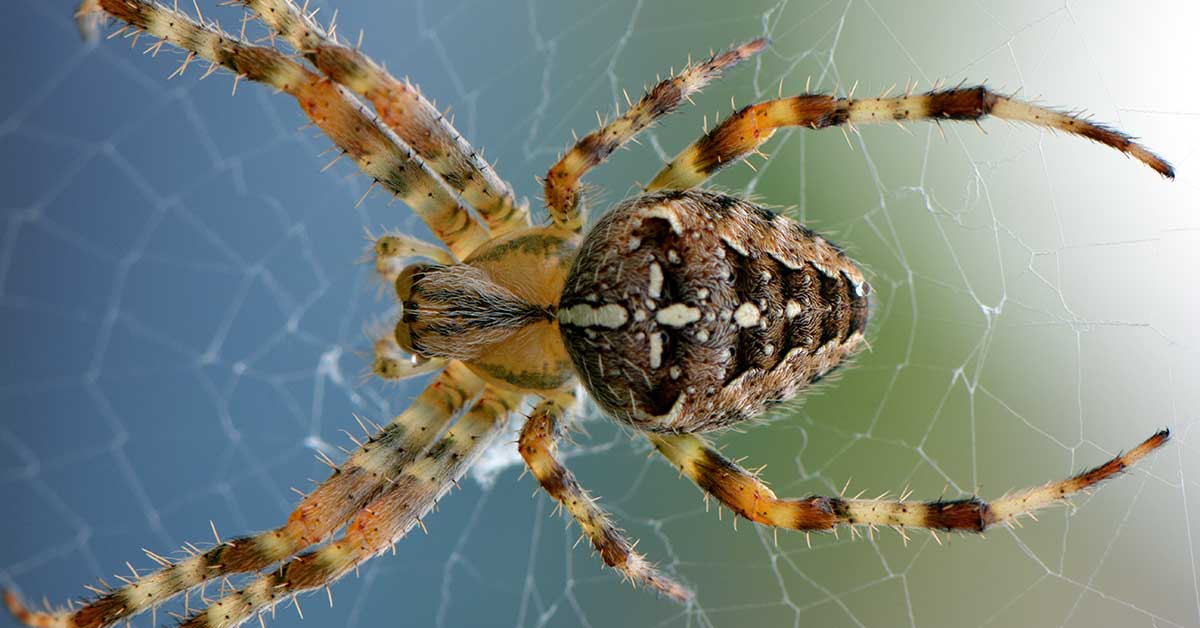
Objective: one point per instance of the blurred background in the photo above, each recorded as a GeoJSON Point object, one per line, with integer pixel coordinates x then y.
{"type": "Point", "coordinates": [185, 324]}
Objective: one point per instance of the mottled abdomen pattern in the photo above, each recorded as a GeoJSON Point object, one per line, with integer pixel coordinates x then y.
{"type": "Point", "coordinates": [688, 311]}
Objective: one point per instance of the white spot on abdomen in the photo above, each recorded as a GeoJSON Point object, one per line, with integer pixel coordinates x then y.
{"type": "Point", "coordinates": [656, 280]}
{"type": "Point", "coordinates": [610, 315]}
{"type": "Point", "coordinates": [747, 315]}
{"type": "Point", "coordinates": [656, 349]}
{"type": "Point", "coordinates": [678, 315]}
{"type": "Point", "coordinates": [666, 213]}
{"type": "Point", "coordinates": [735, 245]}
{"type": "Point", "coordinates": [861, 288]}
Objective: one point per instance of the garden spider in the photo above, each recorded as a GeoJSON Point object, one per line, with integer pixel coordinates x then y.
{"type": "Point", "coordinates": [681, 311]}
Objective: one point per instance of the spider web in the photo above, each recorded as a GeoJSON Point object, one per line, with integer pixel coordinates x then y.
{"type": "Point", "coordinates": [184, 324]}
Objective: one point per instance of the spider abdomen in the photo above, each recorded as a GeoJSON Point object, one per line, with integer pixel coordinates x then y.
{"type": "Point", "coordinates": [691, 311]}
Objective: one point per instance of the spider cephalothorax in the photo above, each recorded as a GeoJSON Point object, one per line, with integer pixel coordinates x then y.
{"type": "Point", "coordinates": [681, 311]}
{"type": "Point", "coordinates": [495, 312]}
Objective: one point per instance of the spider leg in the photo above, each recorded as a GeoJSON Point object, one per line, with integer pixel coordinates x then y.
{"type": "Point", "coordinates": [404, 109]}
{"type": "Point", "coordinates": [743, 132]}
{"type": "Point", "coordinates": [365, 475]}
{"type": "Point", "coordinates": [744, 494]}
{"type": "Point", "coordinates": [378, 525]}
{"type": "Point", "coordinates": [352, 127]}
{"type": "Point", "coordinates": [561, 186]}
{"type": "Point", "coordinates": [539, 447]}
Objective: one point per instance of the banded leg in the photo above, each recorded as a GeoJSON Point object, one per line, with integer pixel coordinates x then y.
{"type": "Point", "coordinates": [403, 109]}
{"type": "Point", "coordinates": [745, 495]}
{"type": "Point", "coordinates": [538, 446]}
{"type": "Point", "coordinates": [354, 129]}
{"type": "Point", "coordinates": [379, 525]}
{"type": "Point", "coordinates": [743, 132]}
{"type": "Point", "coordinates": [367, 473]}
{"type": "Point", "coordinates": [561, 186]}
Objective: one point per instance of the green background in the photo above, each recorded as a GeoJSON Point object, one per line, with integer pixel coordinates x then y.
{"type": "Point", "coordinates": [184, 322]}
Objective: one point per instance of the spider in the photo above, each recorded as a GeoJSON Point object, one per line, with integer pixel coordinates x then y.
{"type": "Point", "coordinates": [681, 311]}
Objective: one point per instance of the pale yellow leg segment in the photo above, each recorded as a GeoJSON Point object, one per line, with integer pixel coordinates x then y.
{"type": "Point", "coordinates": [379, 525]}
{"type": "Point", "coordinates": [744, 494]}
{"type": "Point", "coordinates": [372, 469]}
{"type": "Point", "coordinates": [561, 186]}
{"type": "Point", "coordinates": [744, 131]}
{"type": "Point", "coordinates": [354, 129]}
{"type": "Point", "coordinates": [394, 364]}
{"type": "Point", "coordinates": [403, 109]}
{"type": "Point", "coordinates": [539, 448]}
{"type": "Point", "coordinates": [393, 251]}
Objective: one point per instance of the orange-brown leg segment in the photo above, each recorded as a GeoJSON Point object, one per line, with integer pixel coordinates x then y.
{"type": "Point", "coordinates": [744, 131]}
{"type": "Point", "coordinates": [354, 129]}
{"type": "Point", "coordinates": [744, 494]}
{"type": "Point", "coordinates": [539, 448]}
{"type": "Point", "coordinates": [561, 186]}
{"type": "Point", "coordinates": [403, 109]}
{"type": "Point", "coordinates": [371, 470]}
{"type": "Point", "coordinates": [377, 526]}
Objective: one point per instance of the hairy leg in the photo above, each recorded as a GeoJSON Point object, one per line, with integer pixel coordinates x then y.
{"type": "Point", "coordinates": [368, 472]}
{"type": "Point", "coordinates": [379, 525]}
{"type": "Point", "coordinates": [744, 131]}
{"type": "Point", "coordinates": [377, 151]}
{"type": "Point", "coordinates": [562, 181]}
{"type": "Point", "coordinates": [403, 109]}
{"type": "Point", "coordinates": [744, 494]}
{"type": "Point", "coordinates": [539, 447]}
